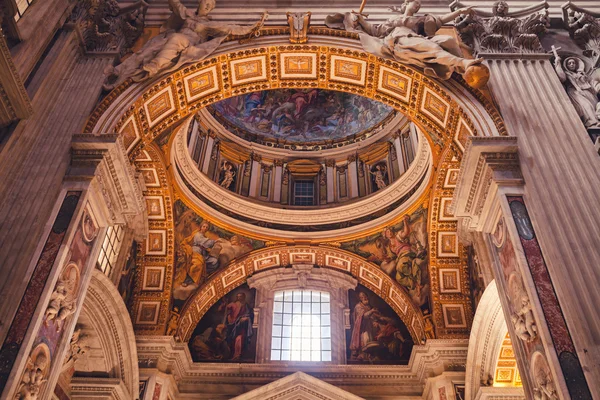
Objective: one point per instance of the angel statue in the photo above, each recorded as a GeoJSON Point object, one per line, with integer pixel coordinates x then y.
{"type": "Point", "coordinates": [187, 36]}
{"type": "Point", "coordinates": [412, 40]}
{"type": "Point", "coordinates": [582, 88]}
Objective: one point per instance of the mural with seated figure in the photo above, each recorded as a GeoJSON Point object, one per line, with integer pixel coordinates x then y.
{"type": "Point", "coordinates": [376, 335]}
{"type": "Point", "coordinates": [201, 249]}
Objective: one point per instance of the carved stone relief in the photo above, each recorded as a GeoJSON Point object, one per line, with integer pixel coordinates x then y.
{"type": "Point", "coordinates": [522, 315]}
{"type": "Point", "coordinates": [579, 73]}
{"type": "Point", "coordinates": [501, 31]}
{"type": "Point", "coordinates": [544, 387]}
{"type": "Point", "coordinates": [36, 373]}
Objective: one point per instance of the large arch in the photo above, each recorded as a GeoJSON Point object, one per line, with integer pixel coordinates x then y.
{"type": "Point", "coordinates": [107, 319]}
{"type": "Point", "coordinates": [487, 336]}
{"type": "Point", "coordinates": [447, 112]}
{"type": "Point", "coordinates": [237, 272]}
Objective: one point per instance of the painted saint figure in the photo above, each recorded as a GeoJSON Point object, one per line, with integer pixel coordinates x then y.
{"type": "Point", "coordinates": [582, 89]}
{"type": "Point", "coordinates": [187, 36]}
{"type": "Point", "coordinates": [202, 262]}
{"type": "Point", "coordinates": [238, 319]}
{"type": "Point", "coordinates": [362, 326]}
{"type": "Point", "coordinates": [412, 40]}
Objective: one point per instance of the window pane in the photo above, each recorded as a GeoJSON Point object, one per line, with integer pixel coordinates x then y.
{"type": "Point", "coordinates": [301, 332]}
{"type": "Point", "coordinates": [278, 306]}
{"type": "Point", "coordinates": [276, 343]}
{"type": "Point", "coordinates": [109, 251]}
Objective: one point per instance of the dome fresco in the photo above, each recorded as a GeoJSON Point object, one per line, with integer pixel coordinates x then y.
{"type": "Point", "coordinates": [298, 116]}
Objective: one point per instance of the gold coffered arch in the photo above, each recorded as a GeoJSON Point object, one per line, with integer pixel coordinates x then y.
{"type": "Point", "coordinates": [447, 113]}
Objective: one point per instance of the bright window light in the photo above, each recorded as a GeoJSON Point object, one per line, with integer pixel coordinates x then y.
{"type": "Point", "coordinates": [301, 326]}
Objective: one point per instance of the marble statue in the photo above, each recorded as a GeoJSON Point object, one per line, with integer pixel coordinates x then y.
{"type": "Point", "coordinates": [379, 176]}
{"type": "Point", "coordinates": [412, 39]}
{"type": "Point", "coordinates": [33, 377]}
{"type": "Point", "coordinates": [582, 88]}
{"type": "Point", "coordinates": [522, 319]}
{"type": "Point", "coordinates": [186, 37]}
{"type": "Point", "coordinates": [544, 388]}
{"type": "Point", "coordinates": [228, 175]}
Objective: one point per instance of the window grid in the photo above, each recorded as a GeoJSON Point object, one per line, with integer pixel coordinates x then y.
{"type": "Point", "coordinates": [304, 193]}
{"type": "Point", "coordinates": [110, 249]}
{"type": "Point", "coordinates": [301, 326]}
{"type": "Point", "coordinates": [22, 6]}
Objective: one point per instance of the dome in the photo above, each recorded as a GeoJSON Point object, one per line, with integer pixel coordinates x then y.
{"type": "Point", "coordinates": [300, 116]}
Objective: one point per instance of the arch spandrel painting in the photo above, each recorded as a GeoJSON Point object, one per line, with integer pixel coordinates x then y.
{"type": "Point", "coordinates": [201, 250]}
{"type": "Point", "coordinates": [300, 115]}
{"type": "Point", "coordinates": [376, 335]}
{"type": "Point", "coordinates": [225, 333]}
{"type": "Point", "coordinates": [400, 251]}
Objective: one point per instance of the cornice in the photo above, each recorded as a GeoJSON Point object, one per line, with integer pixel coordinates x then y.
{"type": "Point", "coordinates": [162, 353]}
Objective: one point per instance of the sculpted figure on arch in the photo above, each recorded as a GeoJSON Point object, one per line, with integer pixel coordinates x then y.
{"type": "Point", "coordinates": [412, 40]}
{"type": "Point", "coordinates": [187, 36]}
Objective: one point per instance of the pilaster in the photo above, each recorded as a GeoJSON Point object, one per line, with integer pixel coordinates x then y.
{"type": "Point", "coordinates": [491, 200]}
{"type": "Point", "coordinates": [100, 189]}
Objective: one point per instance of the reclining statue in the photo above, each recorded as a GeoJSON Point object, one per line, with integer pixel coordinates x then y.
{"type": "Point", "coordinates": [412, 40]}
{"type": "Point", "coordinates": [187, 36]}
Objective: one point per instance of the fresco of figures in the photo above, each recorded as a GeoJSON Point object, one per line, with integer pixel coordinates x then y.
{"type": "Point", "coordinates": [400, 251]}
{"type": "Point", "coordinates": [301, 115]}
{"type": "Point", "coordinates": [376, 335]}
{"type": "Point", "coordinates": [201, 249]}
{"type": "Point", "coordinates": [225, 333]}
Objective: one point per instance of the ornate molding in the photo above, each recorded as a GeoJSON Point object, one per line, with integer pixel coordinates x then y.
{"type": "Point", "coordinates": [104, 27]}
{"type": "Point", "coordinates": [14, 100]}
{"type": "Point", "coordinates": [187, 172]}
{"type": "Point", "coordinates": [487, 162]}
{"type": "Point", "coordinates": [501, 31]}
{"type": "Point", "coordinates": [166, 355]}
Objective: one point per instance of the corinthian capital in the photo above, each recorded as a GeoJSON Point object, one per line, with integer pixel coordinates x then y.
{"type": "Point", "coordinates": [502, 31]}
{"type": "Point", "coordinates": [584, 27]}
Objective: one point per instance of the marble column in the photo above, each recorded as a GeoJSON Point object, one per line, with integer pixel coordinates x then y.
{"type": "Point", "coordinates": [278, 177]}
{"type": "Point", "coordinates": [560, 167]}
{"type": "Point", "coordinates": [255, 175]}
{"type": "Point", "coordinates": [352, 177]}
{"type": "Point", "coordinates": [491, 201]}
{"type": "Point", "coordinates": [399, 152]}
{"type": "Point", "coordinates": [330, 173]}
{"type": "Point", "coordinates": [210, 141]}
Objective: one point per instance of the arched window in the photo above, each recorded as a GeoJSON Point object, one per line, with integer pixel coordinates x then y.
{"type": "Point", "coordinates": [301, 326]}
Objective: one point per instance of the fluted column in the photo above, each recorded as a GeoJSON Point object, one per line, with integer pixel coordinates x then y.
{"type": "Point", "coordinates": [560, 167]}
{"type": "Point", "coordinates": [330, 173]}
{"type": "Point", "coordinates": [255, 175]}
{"type": "Point", "coordinates": [352, 177]}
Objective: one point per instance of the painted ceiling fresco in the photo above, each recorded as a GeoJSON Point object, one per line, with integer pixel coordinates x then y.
{"type": "Point", "coordinates": [400, 251]}
{"type": "Point", "coordinates": [201, 250]}
{"type": "Point", "coordinates": [299, 115]}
